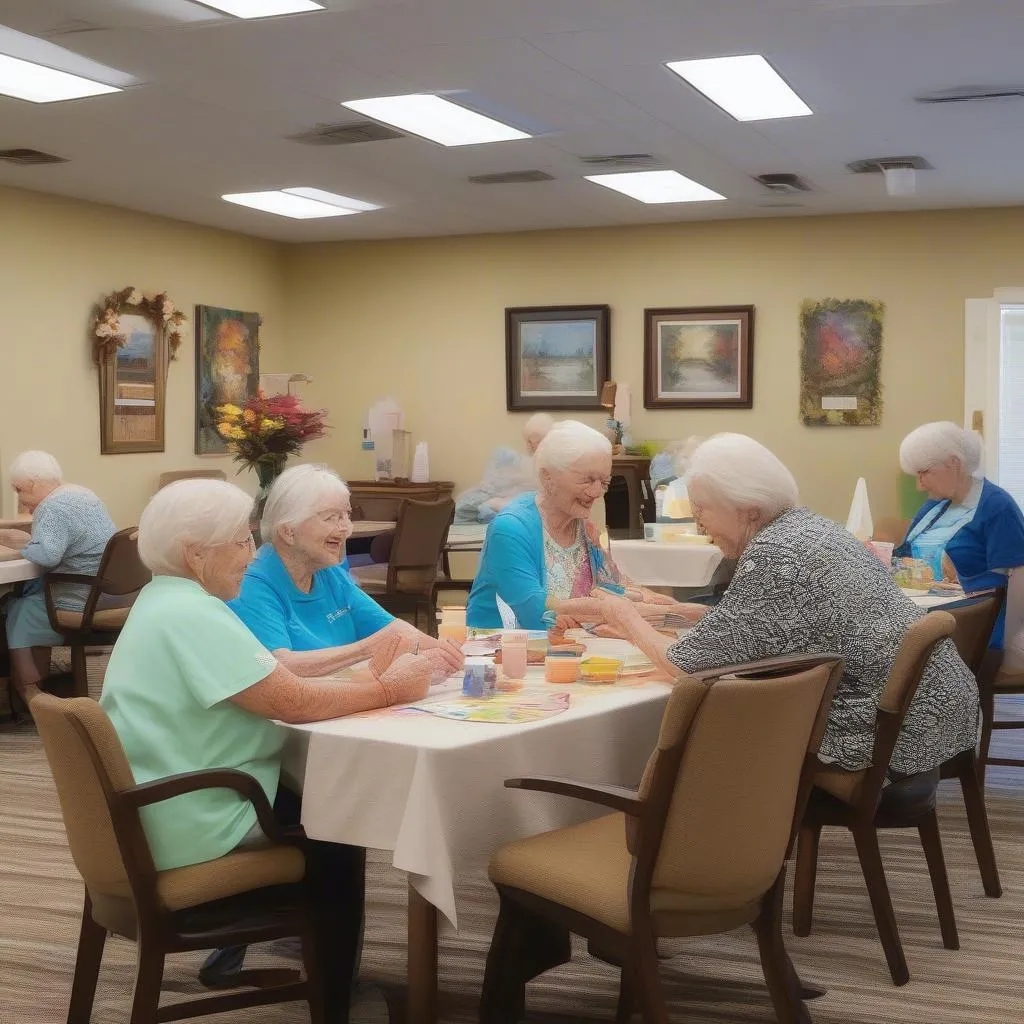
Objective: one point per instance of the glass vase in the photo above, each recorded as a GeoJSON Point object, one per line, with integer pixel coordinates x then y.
{"type": "Point", "coordinates": [266, 473]}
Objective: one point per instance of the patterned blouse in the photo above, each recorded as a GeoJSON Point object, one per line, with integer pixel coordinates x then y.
{"type": "Point", "coordinates": [569, 571]}
{"type": "Point", "coordinates": [806, 585]}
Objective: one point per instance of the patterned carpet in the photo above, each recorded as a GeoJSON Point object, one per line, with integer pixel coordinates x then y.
{"type": "Point", "coordinates": [708, 981]}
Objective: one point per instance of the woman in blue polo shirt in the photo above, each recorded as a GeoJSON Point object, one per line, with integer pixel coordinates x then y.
{"type": "Point", "coordinates": [969, 519]}
{"type": "Point", "coordinates": [297, 596]}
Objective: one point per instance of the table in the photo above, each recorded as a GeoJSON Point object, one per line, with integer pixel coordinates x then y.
{"type": "Point", "coordinates": [924, 599]}
{"type": "Point", "coordinates": [370, 527]}
{"type": "Point", "coordinates": [14, 569]}
{"type": "Point", "coordinates": [663, 564]}
{"type": "Point", "coordinates": [431, 790]}
{"type": "Point", "coordinates": [466, 537]}
{"type": "Point", "coordinates": [634, 471]}
{"type": "Point", "coordinates": [383, 498]}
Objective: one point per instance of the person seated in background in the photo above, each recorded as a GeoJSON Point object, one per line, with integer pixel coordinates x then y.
{"type": "Point", "coordinates": [543, 553]}
{"type": "Point", "coordinates": [535, 429]}
{"type": "Point", "coordinates": [804, 584]}
{"type": "Point", "coordinates": [70, 530]}
{"type": "Point", "coordinates": [189, 688]}
{"type": "Point", "coordinates": [298, 599]}
{"type": "Point", "coordinates": [507, 474]}
{"type": "Point", "coordinates": [973, 522]}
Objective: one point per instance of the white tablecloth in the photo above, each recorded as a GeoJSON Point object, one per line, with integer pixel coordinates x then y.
{"type": "Point", "coordinates": [655, 564]}
{"type": "Point", "coordinates": [923, 599]}
{"type": "Point", "coordinates": [431, 789]}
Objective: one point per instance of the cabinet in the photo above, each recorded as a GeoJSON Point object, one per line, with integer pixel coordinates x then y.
{"type": "Point", "coordinates": [381, 499]}
{"type": "Point", "coordinates": [629, 502]}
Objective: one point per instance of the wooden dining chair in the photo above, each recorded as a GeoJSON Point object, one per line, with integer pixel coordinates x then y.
{"type": "Point", "coordinates": [975, 618]}
{"type": "Point", "coordinates": [174, 475]}
{"type": "Point", "coordinates": [112, 591]}
{"type": "Point", "coordinates": [244, 897]}
{"type": "Point", "coordinates": [861, 802]}
{"type": "Point", "coordinates": [407, 582]}
{"type": "Point", "coordinates": [698, 849]}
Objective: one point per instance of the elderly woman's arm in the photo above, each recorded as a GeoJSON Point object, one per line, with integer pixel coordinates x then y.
{"type": "Point", "coordinates": [16, 540]}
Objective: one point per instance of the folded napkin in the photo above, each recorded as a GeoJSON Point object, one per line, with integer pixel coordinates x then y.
{"type": "Point", "coordinates": [859, 521]}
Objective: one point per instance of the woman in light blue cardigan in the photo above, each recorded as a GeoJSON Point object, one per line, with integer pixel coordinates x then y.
{"type": "Point", "coordinates": [542, 555]}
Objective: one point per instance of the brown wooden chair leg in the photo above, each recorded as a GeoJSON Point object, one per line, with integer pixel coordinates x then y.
{"type": "Point", "coordinates": [644, 953]}
{"type": "Point", "coordinates": [148, 977]}
{"type": "Point", "coordinates": [866, 839]}
{"type": "Point", "coordinates": [627, 997]}
{"type": "Point", "coordinates": [988, 714]}
{"type": "Point", "coordinates": [79, 670]}
{"type": "Point", "coordinates": [804, 879]}
{"type": "Point", "coordinates": [931, 841]}
{"type": "Point", "coordinates": [314, 977]}
{"type": "Point", "coordinates": [91, 940]}
{"type": "Point", "coordinates": [784, 985]}
{"type": "Point", "coordinates": [970, 773]}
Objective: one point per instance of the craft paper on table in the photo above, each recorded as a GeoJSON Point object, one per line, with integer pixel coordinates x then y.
{"type": "Point", "coordinates": [501, 709]}
{"type": "Point", "coordinates": [841, 362]}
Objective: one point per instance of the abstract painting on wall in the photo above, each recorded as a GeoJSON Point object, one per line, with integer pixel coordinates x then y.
{"type": "Point", "coordinates": [699, 358]}
{"type": "Point", "coordinates": [841, 362]}
{"type": "Point", "coordinates": [227, 368]}
{"type": "Point", "coordinates": [556, 357]}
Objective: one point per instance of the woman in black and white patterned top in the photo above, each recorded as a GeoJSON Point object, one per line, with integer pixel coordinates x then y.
{"type": "Point", "coordinates": [804, 584]}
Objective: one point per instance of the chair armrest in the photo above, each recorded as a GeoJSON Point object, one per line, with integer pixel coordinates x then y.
{"type": "Point", "coordinates": [768, 666]}
{"type": "Point", "coordinates": [618, 798]}
{"type": "Point", "coordinates": [69, 577]}
{"type": "Point", "coordinates": [212, 778]}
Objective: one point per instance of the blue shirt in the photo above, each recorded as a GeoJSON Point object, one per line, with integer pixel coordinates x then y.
{"type": "Point", "coordinates": [335, 612]}
{"type": "Point", "coordinates": [984, 548]}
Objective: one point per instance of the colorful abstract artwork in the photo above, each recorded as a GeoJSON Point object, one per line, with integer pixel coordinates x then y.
{"type": "Point", "coordinates": [841, 362]}
{"type": "Point", "coordinates": [227, 368]}
{"type": "Point", "coordinates": [699, 358]}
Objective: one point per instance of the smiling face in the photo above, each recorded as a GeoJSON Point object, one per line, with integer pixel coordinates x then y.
{"type": "Point", "coordinates": [573, 491]}
{"type": "Point", "coordinates": [219, 568]}
{"type": "Point", "coordinates": [943, 480]}
{"type": "Point", "coordinates": [730, 528]}
{"type": "Point", "coordinates": [320, 540]}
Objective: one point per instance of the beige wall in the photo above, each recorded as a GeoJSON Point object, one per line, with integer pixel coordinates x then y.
{"type": "Point", "coordinates": [422, 320]}
{"type": "Point", "coordinates": [59, 257]}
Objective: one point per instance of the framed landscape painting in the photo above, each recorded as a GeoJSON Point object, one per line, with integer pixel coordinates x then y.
{"type": "Point", "coordinates": [699, 357]}
{"type": "Point", "coordinates": [556, 357]}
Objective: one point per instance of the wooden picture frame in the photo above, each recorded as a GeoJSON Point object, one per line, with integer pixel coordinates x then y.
{"type": "Point", "coordinates": [699, 357]}
{"type": "Point", "coordinates": [133, 385]}
{"type": "Point", "coordinates": [556, 357]}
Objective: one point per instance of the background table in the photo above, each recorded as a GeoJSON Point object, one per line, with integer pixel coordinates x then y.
{"type": "Point", "coordinates": [432, 789]}
{"type": "Point", "coordinates": [929, 601]}
{"type": "Point", "coordinates": [370, 527]}
{"type": "Point", "coordinates": [466, 537]}
{"type": "Point", "coordinates": [656, 564]}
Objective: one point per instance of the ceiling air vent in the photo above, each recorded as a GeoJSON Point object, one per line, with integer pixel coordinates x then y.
{"type": "Point", "coordinates": [30, 157]}
{"type": "Point", "coordinates": [877, 164]}
{"type": "Point", "coordinates": [619, 160]}
{"type": "Point", "coordinates": [783, 184]}
{"type": "Point", "coordinates": [346, 134]}
{"type": "Point", "coordinates": [973, 94]}
{"type": "Point", "coordinates": [510, 178]}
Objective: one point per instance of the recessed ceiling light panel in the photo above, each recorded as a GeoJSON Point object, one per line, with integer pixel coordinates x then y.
{"type": "Point", "coordinates": [747, 87]}
{"type": "Point", "coordinates": [437, 119]}
{"type": "Point", "coordinates": [300, 203]}
{"type": "Point", "coordinates": [262, 8]}
{"type": "Point", "coordinates": [656, 187]}
{"type": "Point", "coordinates": [27, 81]}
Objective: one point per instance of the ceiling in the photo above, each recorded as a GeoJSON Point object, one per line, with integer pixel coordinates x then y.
{"type": "Point", "coordinates": [218, 98]}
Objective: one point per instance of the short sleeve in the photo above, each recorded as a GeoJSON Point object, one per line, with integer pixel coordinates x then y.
{"type": "Point", "coordinates": [50, 536]}
{"type": "Point", "coordinates": [367, 616]}
{"type": "Point", "coordinates": [216, 655]}
{"type": "Point", "coordinates": [263, 612]}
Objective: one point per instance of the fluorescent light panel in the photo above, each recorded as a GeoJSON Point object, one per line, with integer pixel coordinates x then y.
{"type": "Point", "coordinates": [747, 87]}
{"type": "Point", "coordinates": [27, 81]}
{"type": "Point", "coordinates": [262, 8]}
{"type": "Point", "coordinates": [437, 119]}
{"type": "Point", "coordinates": [656, 187]}
{"type": "Point", "coordinates": [300, 203]}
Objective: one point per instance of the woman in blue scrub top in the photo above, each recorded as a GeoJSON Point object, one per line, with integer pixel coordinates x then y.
{"type": "Point", "coordinates": [969, 519]}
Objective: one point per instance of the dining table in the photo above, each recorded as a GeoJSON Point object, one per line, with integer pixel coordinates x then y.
{"type": "Point", "coordinates": [371, 527]}
{"type": "Point", "coordinates": [426, 782]}
{"type": "Point", "coordinates": [15, 569]}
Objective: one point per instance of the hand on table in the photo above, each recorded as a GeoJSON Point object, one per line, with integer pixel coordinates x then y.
{"type": "Point", "coordinates": [445, 652]}
{"type": "Point", "coordinates": [407, 679]}
{"type": "Point", "coordinates": [16, 539]}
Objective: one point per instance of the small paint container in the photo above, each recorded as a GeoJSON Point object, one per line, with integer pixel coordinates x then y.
{"type": "Point", "coordinates": [561, 667]}
{"type": "Point", "coordinates": [480, 678]}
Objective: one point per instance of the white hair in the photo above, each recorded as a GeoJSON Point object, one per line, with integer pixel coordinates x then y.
{"type": "Point", "coordinates": [566, 443]}
{"type": "Point", "coordinates": [29, 466]}
{"type": "Point", "coordinates": [933, 443]}
{"type": "Point", "coordinates": [199, 511]}
{"type": "Point", "coordinates": [538, 426]}
{"type": "Point", "coordinates": [297, 495]}
{"type": "Point", "coordinates": [742, 473]}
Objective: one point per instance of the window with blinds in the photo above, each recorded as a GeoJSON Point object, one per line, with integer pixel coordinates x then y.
{"type": "Point", "coordinates": [1011, 400]}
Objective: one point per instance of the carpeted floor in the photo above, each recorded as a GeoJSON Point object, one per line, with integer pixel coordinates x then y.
{"type": "Point", "coordinates": [708, 980]}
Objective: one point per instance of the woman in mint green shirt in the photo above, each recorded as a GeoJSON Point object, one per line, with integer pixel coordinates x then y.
{"type": "Point", "coordinates": [189, 688]}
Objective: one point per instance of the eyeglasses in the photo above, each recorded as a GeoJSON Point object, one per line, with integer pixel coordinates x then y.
{"type": "Point", "coordinates": [334, 518]}
{"type": "Point", "coordinates": [249, 544]}
{"type": "Point", "coordinates": [603, 482]}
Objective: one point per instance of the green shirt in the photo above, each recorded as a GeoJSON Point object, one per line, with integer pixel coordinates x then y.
{"type": "Point", "coordinates": [180, 656]}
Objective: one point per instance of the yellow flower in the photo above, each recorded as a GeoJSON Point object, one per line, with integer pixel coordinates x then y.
{"type": "Point", "coordinates": [224, 428]}
{"type": "Point", "coordinates": [229, 411]}
{"type": "Point", "coordinates": [249, 416]}
{"type": "Point", "coordinates": [268, 425]}
{"type": "Point", "coordinates": [237, 434]}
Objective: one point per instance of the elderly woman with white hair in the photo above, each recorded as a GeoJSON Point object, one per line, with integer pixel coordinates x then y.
{"type": "Point", "coordinates": [969, 520]}
{"type": "Point", "coordinates": [803, 584]}
{"type": "Point", "coordinates": [298, 598]}
{"type": "Point", "coordinates": [542, 555]}
{"type": "Point", "coordinates": [70, 530]}
{"type": "Point", "coordinates": [189, 688]}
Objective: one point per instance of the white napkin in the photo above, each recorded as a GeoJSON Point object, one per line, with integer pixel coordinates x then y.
{"type": "Point", "coordinates": [859, 521]}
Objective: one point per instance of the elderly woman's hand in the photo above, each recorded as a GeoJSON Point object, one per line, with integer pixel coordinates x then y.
{"type": "Point", "coordinates": [620, 613]}
{"type": "Point", "coordinates": [407, 679]}
{"type": "Point", "coordinates": [16, 539]}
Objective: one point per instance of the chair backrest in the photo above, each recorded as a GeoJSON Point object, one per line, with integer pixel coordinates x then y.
{"type": "Point", "coordinates": [87, 762]}
{"type": "Point", "coordinates": [975, 618]}
{"type": "Point", "coordinates": [416, 550]}
{"type": "Point", "coordinates": [190, 474]}
{"type": "Point", "coordinates": [121, 571]}
{"type": "Point", "coordinates": [731, 772]}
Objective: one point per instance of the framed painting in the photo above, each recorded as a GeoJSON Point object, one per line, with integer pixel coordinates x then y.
{"type": "Point", "coordinates": [699, 357]}
{"type": "Point", "coordinates": [227, 368]}
{"type": "Point", "coordinates": [556, 357]}
{"type": "Point", "coordinates": [841, 362]}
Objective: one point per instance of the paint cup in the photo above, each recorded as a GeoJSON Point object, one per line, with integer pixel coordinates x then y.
{"type": "Point", "coordinates": [514, 644]}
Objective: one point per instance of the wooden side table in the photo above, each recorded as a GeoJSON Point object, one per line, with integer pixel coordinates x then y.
{"type": "Point", "coordinates": [634, 472]}
{"type": "Point", "coordinates": [382, 499]}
